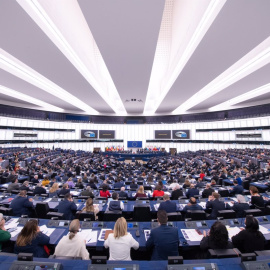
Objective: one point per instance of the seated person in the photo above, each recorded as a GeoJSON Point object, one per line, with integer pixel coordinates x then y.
{"type": "Point", "coordinates": [79, 184]}
{"type": "Point", "coordinates": [218, 238]}
{"type": "Point", "coordinates": [199, 183]}
{"type": "Point", "coordinates": [250, 239]}
{"type": "Point", "coordinates": [105, 192]}
{"type": "Point", "coordinates": [72, 244]}
{"type": "Point", "coordinates": [215, 204]}
{"type": "Point", "coordinates": [4, 234]}
{"type": "Point", "coordinates": [186, 183]}
{"type": "Point", "coordinates": [115, 205]}
{"type": "Point", "coordinates": [123, 194]}
{"type": "Point", "coordinates": [207, 191]}
{"type": "Point", "coordinates": [256, 198]}
{"type": "Point", "coordinates": [118, 184]}
{"type": "Point", "coordinates": [239, 207]}
{"type": "Point", "coordinates": [164, 240]}
{"type": "Point", "coordinates": [39, 189]}
{"type": "Point", "coordinates": [70, 183]}
{"type": "Point", "coordinates": [192, 205]}
{"type": "Point", "coordinates": [65, 190]}
{"type": "Point", "coordinates": [91, 208]}
{"type": "Point", "coordinates": [32, 240]}
{"type": "Point", "coordinates": [158, 192]}
{"type": "Point", "coordinates": [133, 184]}
{"type": "Point", "coordinates": [67, 207]}
{"type": "Point", "coordinates": [45, 181]}
{"type": "Point", "coordinates": [13, 185]}
{"type": "Point", "coordinates": [21, 205]}
{"type": "Point", "coordinates": [120, 242]}
{"type": "Point", "coordinates": [34, 180]}
{"type": "Point", "coordinates": [54, 191]}
{"type": "Point", "coordinates": [140, 193]}
{"type": "Point", "coordinates": [167, 204]}
{"type": "Point", "coordinates": [177, 192]}
{"type": "Point", "coordinates": [87, 192]}
{"type": "Point", "coordinates": [25, 186]}
{"type": "Point", "coordinates": [237, 189]}
{"type": "Point", "coordinates": [192, 191]}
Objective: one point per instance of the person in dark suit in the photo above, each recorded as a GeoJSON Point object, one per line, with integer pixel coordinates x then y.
{"type": "Point", "coordinates": [237, 189]}
{"type": "Point", "coordinates": [21, 205]}
{"type": "Point", "coordinates": [39, 189]}
{"type": "Point", "coordinates": [192, 191]}
{"type": "Point", "coordinates": [207, 191]}
{"type": "Point", "coordinates": [67, 207]}
{"type": "Point", "coordinates": [200, 183]}
{"type": "Point", "coordinates": [13, 185]}
{"type": "Point", "coordinates": [34, 180]}
{"type": "Point", "coordinates": [65, 190]}
{"type": "Point", "coordinates": [177, 192]}
{"type": "Point", "coordinates": [115, 205]}
{"type": "Point", "coordinates": [163, 240]}
{"type": "Point", "coordinates": [123, 194]}
{"type": "Point", "coordinates": [256, 198]}
{"type": "Point", "coordinates": [192, 205]}
{"type": "Point", "coordinates": [118, 184]}
{"type": "Point", "coordinates": [87, 192]}
{"type": "Point", "coordinates": [133, 185]}
{"type": "Point", "coordinates": [240, 207]}
{"type": "Point", "coordinates": [167, 205]}
{"type": "Point", "coordinates": [214, 204]}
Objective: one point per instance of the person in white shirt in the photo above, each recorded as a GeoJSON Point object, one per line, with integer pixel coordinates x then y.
{"type": "Point", "coordinates": [120, 242]}
{"type": "Point", "coordinates": [72, 244]}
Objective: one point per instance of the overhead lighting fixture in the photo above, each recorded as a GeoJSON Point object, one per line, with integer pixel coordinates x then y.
{"type": "Point", "coordinates": [19, 69]}
{"type": "Point", "coordinates": [188, 44]}
{"type": "Point", "coordinates": [51, 16]}
{"type": "Point", "coordinates": [255, 59]}
{"type": "Point", "coordinates": [246, 96]}
{"type": "Point", "coordinates": [18, 95]}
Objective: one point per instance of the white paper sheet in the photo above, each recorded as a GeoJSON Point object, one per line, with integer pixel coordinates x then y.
{"type": "Point", "coordinates": [89, 236]}
{"type": "Point", "coordinates": [46, 230]}
{"type": "Point", "coordinates": [233, 231]}
{"type": "Point", "coordinates": [17, 231]}
{"type": "Point", "coordinates": [146, 234]}
{"type": "Point", "coordinates": [263, 230]}
{"type": "Point", "coordinates": [192, 234]}
{"type": "Point", "coordinates": [102, 234]}
{"type": "Point", "coordinates": [157, 206]}
{"type": "Point", "coordinates": [12, 223]}
{"type": "Point", "coordinates": [48, 200]}
{"type": "Point", "coordinates": [202, 204]}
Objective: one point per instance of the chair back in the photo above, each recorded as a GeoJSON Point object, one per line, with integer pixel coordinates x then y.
{"type": "Point", "coordinates": [175, 216]}
{"type": "Point", "coordinates": [112, 215]}
{"type": "Point", "coordinates": [196, 214]}
{"type": "Point", "coordinates": [226, 214]}
{"type": "Point", "coordinates": [83, 215]}
{"type": "Point", "coordinates": [42, 208]}
{"type": "Point", "coordinates": [141, 213]}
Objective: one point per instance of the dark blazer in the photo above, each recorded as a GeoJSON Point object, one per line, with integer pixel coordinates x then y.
{"type": "Point", "coordinates": [39, 190]}
{"type": "Point", "coordinates": [192, 207]}
{"type": "Point", "coordinates": [191, 192]}
{"type": "Point", "coordinates": [176, 194]}
{"type": "Point", "coordinates": [66, 207]}
{"type": "Point", "coordinates": [257, 200]}
{"type": "Point", "coordinates": [216, 205]}
{"type": "Point", "coordinates": [168, 206]}
{"type": "Point", "coordinates": [118, 185]}
{"type": "Point", "coordinates": [165, 241]}
{"type": "Point", "coordinates": [207, 243]}
{"type": "Point", "coordinates": [237, 190]}
{"type": "Point", "coordinates": [123, 194]}
{"type": "Point", "coordinates": [63, 191]}
{"type": "Point", "coordinates": [207, 192]}
{"type": "Point", "coordinates": [247, 241]}
{"type": "Point", "coordinates": [21, 206]}
{"type": "Point", "coordinates": [239, 209]}
{"type": "Point", "coordinates": [36, 247]}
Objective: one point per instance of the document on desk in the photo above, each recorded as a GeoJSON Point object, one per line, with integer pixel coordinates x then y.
{"type": "Point", "coordinates": [263, 230]}
{"type": "Point", "coordinates": [47, 200]}
{"type": "Point", "coordinates": [234, 199]}
{"type": "Point", "coordinates": [12, 223]}
{"type": "Point", "coordinates": [102, 234]}
{"type": "Point", "coordinates": [181, 206]}
{"type": "Point", "coordinates": [88, 235]}
{"type": "Point", "coordinates": [146, 234]}
{"type": "Point", "coordinates": [48, 231]}
{"type": "Point", "coordinates": [192, 234]}
{"type": "Point", "coordinates": [202, 204]}
{"type": "Point", "coordinates": [16, 232]}
{"type": "Point", "coordinates": [157, 206]}
{"type": "Point", "coordinates": [232, 231]}
{"type": "Point", "coordinates": [75, 193]}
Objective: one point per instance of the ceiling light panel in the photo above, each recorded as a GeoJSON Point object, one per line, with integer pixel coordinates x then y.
{"type": "Point", "coordinates": [186, 33]}
{"type": "Point", "coordinates": [254, 60]}
{"type": "Point", "coordinates": [19, 69]}
{"type": "Point", "coordinates": [73, 37]}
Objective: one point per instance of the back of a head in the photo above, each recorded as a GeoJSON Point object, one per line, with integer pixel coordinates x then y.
{"type": "Point", "coordinates": [162, 217]}
{"type": "Point", "coordinates": [120, 227]}
{"type": "Point", "coordinates": [192, 200]}
{"type": "Point", "coordinates": [252, 224]}
{"type": "Point", "coordinates": [192, 186]}
{"type": "Point", "coordinates": [219, 234]}
{"type": "Point", "coordinates": [215, 195]}
{"type": "Point", "coordinates": [27, 233]}
{"type": "Point", "coordinates": [68, 196]}
{"type": "Point", "coordinates": [115, 196]}
{"type": "Point", "coordinates": [235, 181]}
{"type": "Point", "coordinates": [23, 192]}
{"type": "Point", "coordinates": [74, 228]}
{"type": "Point", "coordinates": [166, 197]}
{"type": "Point", "coordinates": [253, 189]}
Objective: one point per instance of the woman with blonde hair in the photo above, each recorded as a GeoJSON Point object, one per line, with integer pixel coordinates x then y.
{"type": "Point", "coordinates": [53, 192]}
{"type": "Point", "coordinates": [120, 242]}
{"type": "Point", "coordinates": [32, 240]}
{"type": "Point", "coordinates": [140, 192]}
{"type": "Point", "coordinates": [72, 244]}
{"type": "Point", "coordinates": [90, 207]}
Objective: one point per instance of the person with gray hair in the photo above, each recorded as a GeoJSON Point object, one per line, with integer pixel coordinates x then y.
{"type": "Point", "coordinates": [39, 189]}
{"type": "Point", "coordinates": [177, 192]}
{"type": "Point", "coordinates": [123, 194]}
{"type": "Point", "coordinates": [240, 206]}
{"type": "Point", "coordinates": [4, 234]}
{"type": "Point", "coordinates": [87, 192]}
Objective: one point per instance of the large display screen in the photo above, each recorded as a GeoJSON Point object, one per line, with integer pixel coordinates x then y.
{"type": "Point", "coordinates": [162, 134]}
{"type": "Point", "coordinates": [89, 134]}
{"type": "Point", "coordinates": [180, 134]}
{"type": "Point", "coordinates": [106, 134]}
{"type": "Point", "coordinates": [135, 144]}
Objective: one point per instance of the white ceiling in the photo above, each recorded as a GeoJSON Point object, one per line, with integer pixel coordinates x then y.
{"type": "Point", "coordinates": [172, 56]}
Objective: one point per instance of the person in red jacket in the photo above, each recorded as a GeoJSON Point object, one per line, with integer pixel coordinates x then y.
{"type": "Point", "coordinates": [158, 192]}
{"type": "Point", "coordinates": [105, 192]}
